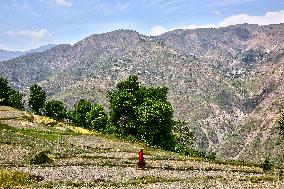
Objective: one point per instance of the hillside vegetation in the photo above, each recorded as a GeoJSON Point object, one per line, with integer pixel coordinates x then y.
{"type": "Point", "coordinates": [75, 157]}
{"type": "Point", "coordinates": [225, 84]}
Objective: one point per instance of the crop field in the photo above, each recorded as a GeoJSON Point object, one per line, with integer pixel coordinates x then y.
{"type": "Point", "coordinates": [72, 157]}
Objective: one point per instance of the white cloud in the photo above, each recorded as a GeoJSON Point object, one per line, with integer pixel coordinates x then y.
{"type": "Point", "coordinates": [64, 3]}
{"type": "Point", "coordinates": [217, 12]}
{"type": "Point", "coordinates": [269, 18]}
{"type": "Point", "coordinates": [35, 38]}
{"type": "Point", "coordinates": [157, 30]}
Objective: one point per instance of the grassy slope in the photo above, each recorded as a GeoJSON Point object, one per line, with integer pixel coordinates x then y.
{"type": "Point", "coordinates": [87, 159]}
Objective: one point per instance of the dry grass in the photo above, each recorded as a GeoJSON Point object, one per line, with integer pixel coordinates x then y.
{"type": "Point", "coordinates": [88, 159]}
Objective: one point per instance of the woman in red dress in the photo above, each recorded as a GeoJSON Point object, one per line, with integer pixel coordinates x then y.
{"type": "Point", "coordinates": [141, 161]}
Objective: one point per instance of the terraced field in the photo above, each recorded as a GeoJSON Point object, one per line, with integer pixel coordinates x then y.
{"type": "Point", "coordinates": [84, 159]}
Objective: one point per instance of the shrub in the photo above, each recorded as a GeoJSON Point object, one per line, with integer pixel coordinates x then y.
{"type": "Point", "coordinates": [267, 165]}
{"type": "Point", "coordinates": [211, 156]}
{"type": "Point", "coordinates": [40, 158]}
{"type": "Point", "coordinates": [13, 179]}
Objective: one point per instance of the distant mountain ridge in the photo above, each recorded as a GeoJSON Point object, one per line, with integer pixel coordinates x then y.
{"type": "Point", "coordinates": [7, 55]}
{"type": "Point", "coordinates": [225, 83]}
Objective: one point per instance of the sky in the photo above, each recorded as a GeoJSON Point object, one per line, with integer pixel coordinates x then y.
{"type": "Point", "coordinates": [28, 24]}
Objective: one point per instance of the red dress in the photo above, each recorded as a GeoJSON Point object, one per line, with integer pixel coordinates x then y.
{"type": "Point", "coordinates": [141, 162]}
{"type": "Point", "coordinates": [140, 156]}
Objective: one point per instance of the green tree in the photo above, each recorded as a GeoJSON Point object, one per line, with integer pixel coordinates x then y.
{"type": "Point", "coordinates": [15, 99]}
{"type": "Point", "coordinates": [37, 98]}
{"type": "Point", "coordinates": [123, 115]}
{"type": "Point", "coordinates": [4, 91]}
{"type": "Point", "coordinates": [123, 102]}
{"type": "Point", "coordinates": [55, 109]}
{"type": "Point", "coordinates": [97, 118]}
{"type": "Point", "coordinates": [144, 113]}
{"type": "Point", "coordinates": [80, 112]}
{"type": "Point", "coordinates": [155, 123]}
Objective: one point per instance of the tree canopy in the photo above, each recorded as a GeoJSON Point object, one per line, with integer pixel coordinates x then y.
{"type": "Point", "coordinates": [89, 116]}
{"type": "Point", "coordinates": [96, 118]}
{"type": "Point", "coordinates": [9, 96]}
{"type": "Point", "coordinates": [144, 113]}
{"type": "Point", "coordinates": [15, 99]}
{"type": "Point", "coordinates": [55, 109]}
{"type": "Point", "coordinates": [37, 98]}
{"type": "Point", "coordinates": [4, 91]}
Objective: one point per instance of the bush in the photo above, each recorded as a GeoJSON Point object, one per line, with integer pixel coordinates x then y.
{"type": "Point", "coordinates": [55, 109]}
{"type": "Point", "coordinates": [40, 158]}
{"type": "Point", "coordinates": [211, 156]}
{"type": "Point", "coordinates": [13, 179]}
{"type": "Point", "coordinates": [267, 165]}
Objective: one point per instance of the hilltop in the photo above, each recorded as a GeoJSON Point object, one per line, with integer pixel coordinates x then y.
{"type": "Point", "coordinates": [224, 83]}
{"type": "Point", "coordinates": [81, 158]}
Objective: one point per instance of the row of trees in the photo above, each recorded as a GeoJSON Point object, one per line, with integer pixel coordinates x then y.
{"type": "Point", "coordinates": [135, 110]}
{"type": "Point", "coordinates": [37, 100]}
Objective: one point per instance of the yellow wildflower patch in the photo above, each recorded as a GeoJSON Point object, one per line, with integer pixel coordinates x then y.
{"type": "Point", "coordinates": [80, 130]}
{"type": "Point", "coordinates": [43, 119]}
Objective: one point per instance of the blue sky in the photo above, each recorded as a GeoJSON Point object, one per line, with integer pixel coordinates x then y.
{"type": "Point", "coordinates": [26, 24]}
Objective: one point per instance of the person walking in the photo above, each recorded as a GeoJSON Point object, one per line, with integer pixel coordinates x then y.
{"type": "Point", "coordinates": [141, 161]}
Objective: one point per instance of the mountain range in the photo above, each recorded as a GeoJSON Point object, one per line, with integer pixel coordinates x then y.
{"type": "Point", "coordinates": [225, 84]}
{"type": "Point", "coordinates": [7, 55]}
